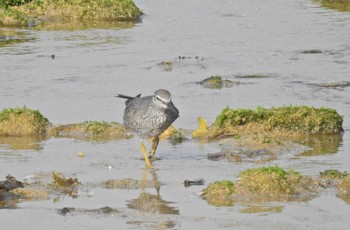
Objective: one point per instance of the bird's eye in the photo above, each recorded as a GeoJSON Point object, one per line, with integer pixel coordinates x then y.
{"type": "Point", "coordinates": [158, 98]}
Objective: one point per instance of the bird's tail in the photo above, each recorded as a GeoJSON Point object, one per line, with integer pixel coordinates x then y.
{"type": "Point", "coordinates": [127, 97]}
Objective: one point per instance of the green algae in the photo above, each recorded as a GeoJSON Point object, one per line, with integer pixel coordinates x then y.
{"type": "Point", "coordinates": [299, 119]}
{"type": "Point", "coordinates": [219, 188]}
{"type": "Point", "coordinates": [333, 174]}
{"type": "Point", "coordinates": [216, 82]}
{"type": "Point", "coordinates": [219, 193]}
{"type": "Point", "coordinates": [340, 5]}
{"type": "Point", "coordinates": [271, 181]}
{"type": "Point", "coordinates": [37, 11]}
{"type": "Point", "coordinates": [279, 128]}
{"type": "Point", "coordinates": [92, 130]}
{"type": "Point", "coordinates": [262, 184]}
{"type": "Point", "coordinates": [22, 122]}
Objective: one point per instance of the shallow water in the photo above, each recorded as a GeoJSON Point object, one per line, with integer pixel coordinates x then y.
{"type": "Point", "coordinates": [227, 38]}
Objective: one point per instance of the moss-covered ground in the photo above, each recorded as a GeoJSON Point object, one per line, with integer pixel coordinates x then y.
{"type": "Point", "coordinates": [22, 122]}
{"type": "Point", "coordinates": [262, 184]}
{"type": "Point", "coordinates": [29, 13]}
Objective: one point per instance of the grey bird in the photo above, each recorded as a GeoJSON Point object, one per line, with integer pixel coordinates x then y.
{"type": "Point", "coordinates": [149, 116]}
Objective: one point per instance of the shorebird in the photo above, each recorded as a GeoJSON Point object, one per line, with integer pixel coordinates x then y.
{"type": "Point", "coordinates": [149, 116]}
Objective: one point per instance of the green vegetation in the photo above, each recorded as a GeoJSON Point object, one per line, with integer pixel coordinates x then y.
{"type": "Point", "coordinates": [299, 119]}
{"type": "Point", "coordinates": [216, 82]}
{"type": "Point", "coordinates": [333, 174]}
{"type": "Point", "coordinates": [219, 193]}
{"type": "Point", "coordinates": [22, 122]}
{"type": "Point", "coordinates": [7, 3]}
{"type": "Point", "coordinates": [262, 184]}
{"type": "Point", "coordinates": [340, 5]}
{"type": "Point", "coordinates": [219, 188]}
{"type": "Point", "coordinates": [24, 12]}
{"type": "Point", "coordinates": [271, 182]}
{"type": "Point", "coordinates": [95, 130]}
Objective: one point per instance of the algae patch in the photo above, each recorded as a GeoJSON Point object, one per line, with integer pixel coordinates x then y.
{"type": "Point", "coordinates": [275, 183]}
{"type": "Point", "coordinates": [22, 122]}
{"type": "Point", "coordinates": [262, 184]}
{"type": "Point", "coordinates": [91, 130]}
{"type": "Point", "coordinates": [219, 193]}
{"type": "Point", "coordinates": [340, 5]}
{"type": "Point", "coordinates": [216, 82]}
{"type": "Point", "coordinates": [61, 11]}
{"type": "Point", "coordinates": [279, 129]}
{"type": "Point", "coordinates": [300, 119]}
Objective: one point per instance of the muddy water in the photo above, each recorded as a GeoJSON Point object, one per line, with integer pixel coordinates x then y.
{"type": "Point", "coordinates": [73, 75]}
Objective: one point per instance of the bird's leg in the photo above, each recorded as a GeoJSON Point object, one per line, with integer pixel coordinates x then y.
{"type": "Point", "coordinates": [154, 147]}
{"type": "Point", "coordinates": [144, 153]}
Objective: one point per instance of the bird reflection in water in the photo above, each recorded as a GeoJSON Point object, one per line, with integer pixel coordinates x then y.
{"type": "Point", "coordinates": [151, 203]}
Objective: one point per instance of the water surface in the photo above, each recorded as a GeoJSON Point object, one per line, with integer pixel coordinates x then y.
{"type": "Point", "coordinates": [226, 38]}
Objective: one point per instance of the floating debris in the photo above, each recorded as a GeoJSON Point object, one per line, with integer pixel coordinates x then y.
{"type": "Point", "coordinates": [166, 65]}
{"type": "Point", "coordinates": [81, 155]}
{"type": "Point", "coordinates": [333, 85]}
{"type": "Point", "coordinates": [10, 183]}
{"type": "Point", "coordinates": [312, 51]}
{"type": "Point", "coordinates": [181, 62]}
{"type": "Point", "coordinates": [98, 211]}
{"type": "Point", "coordinates": [59, 180]}
{"type": "Point", "coordinates": [12, 190]}
{"type": "Point", "coordinates": [255, 76]}
{"type": "Point", "coordinates": [31, 193]}
{"type": "Point", "coordinates": [188, 183]}
{"type": "Point", "coordinates": [202, 130]}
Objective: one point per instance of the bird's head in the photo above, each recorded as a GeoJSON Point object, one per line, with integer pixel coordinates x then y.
{"type": "Point", "coordinates": [162, 98]}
